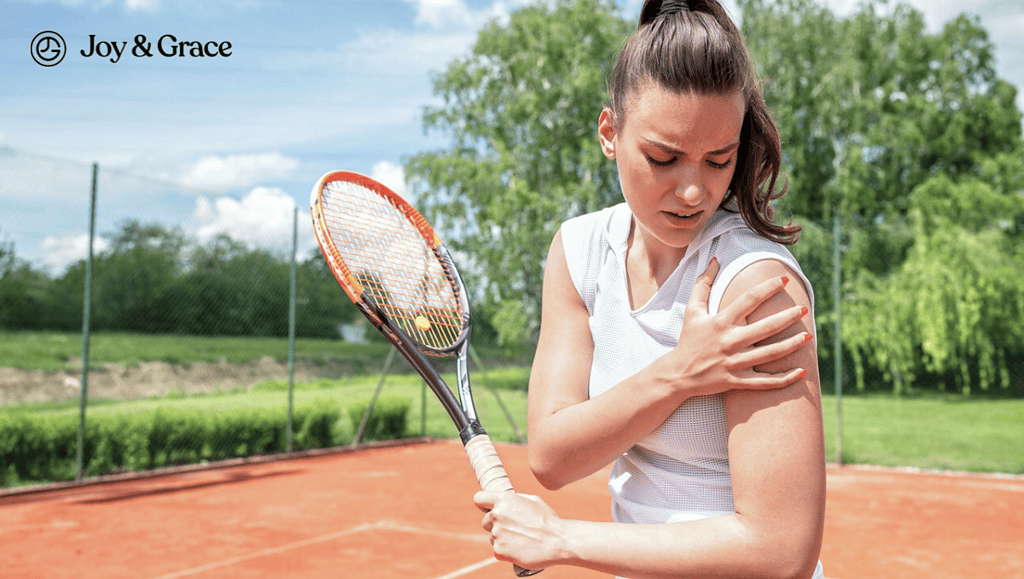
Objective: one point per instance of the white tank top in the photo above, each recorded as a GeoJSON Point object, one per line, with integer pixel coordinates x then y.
{"type": "Point", "coordinates": [681, 470]}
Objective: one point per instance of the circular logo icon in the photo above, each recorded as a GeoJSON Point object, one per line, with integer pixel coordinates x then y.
{"type": "Point", "coordinates": [48, 48]}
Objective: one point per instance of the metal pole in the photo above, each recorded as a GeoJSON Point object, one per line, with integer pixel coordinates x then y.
{"type": "Point", "coordinates": [291, 327]}
{"type": "Point", "coordinates": [369, 409]}
{"type": "Point", "coordinates": [837, 280]}
{"type": "Point", "coordinates": [86, 303]}
{"type": "Point", "coordinates": [508, 415]}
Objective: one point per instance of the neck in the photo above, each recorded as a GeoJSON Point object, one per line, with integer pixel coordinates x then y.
{"type": "Point", "coordinates": [649, 263]}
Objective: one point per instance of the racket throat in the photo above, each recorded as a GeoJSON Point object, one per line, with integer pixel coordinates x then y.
{"type": "Point", "coordinates": [471, 431]}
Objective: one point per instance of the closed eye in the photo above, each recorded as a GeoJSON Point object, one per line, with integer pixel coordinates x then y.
{"type": "Point", "coordinates": [658, 163]}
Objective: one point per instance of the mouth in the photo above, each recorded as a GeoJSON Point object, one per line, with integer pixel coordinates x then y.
{"type": "Point", "coordinates": [683, 218]}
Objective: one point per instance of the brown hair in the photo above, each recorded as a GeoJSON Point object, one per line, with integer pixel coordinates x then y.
{"type": "Point", "coordinates": [693, 47]}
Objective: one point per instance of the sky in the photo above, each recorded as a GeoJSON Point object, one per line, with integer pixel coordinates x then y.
{"type": "Point", "coordinates": [232, 143]}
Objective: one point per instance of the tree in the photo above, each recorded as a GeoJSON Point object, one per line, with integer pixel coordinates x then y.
{"type": "Point", "coordinates": [226, 289]}
{"type": "Point", "coordinates": [913, 140]}
{"type": "Point", "coordinates": [871, 106]}
{"type": "Point", "coordinates": [522, 113]}
{"type": "Point", "coordinates": [140, 263]}
{"type": "Point", "coordinates": [321, 304]}
{"type": "Point", "coordinates": [22, 291]}
{"type": "Point", "coordinates": [952, 308]}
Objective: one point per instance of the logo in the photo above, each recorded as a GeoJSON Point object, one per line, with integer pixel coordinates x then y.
{"type": "Point", "coordinates": [48, 48]}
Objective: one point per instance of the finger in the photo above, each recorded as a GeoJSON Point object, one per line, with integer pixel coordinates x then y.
{"type": "Point", "coordinates": [770, 326]}
{"type": "Point", "coordinates": [485, 500]}
{"type": "Point", "coordinates": [749, 301]}
{"type": "Point", "coordinates": [766, 353]}
{"type": "Point", "coordinates": [762, 381]}
{"type": "Point", "coordinates": [702, 287]}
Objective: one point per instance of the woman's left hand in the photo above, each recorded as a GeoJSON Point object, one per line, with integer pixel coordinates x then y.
{"type": "Point", "coordinates": [524, 529]}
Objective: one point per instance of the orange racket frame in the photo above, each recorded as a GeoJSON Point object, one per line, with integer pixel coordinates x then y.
{"type": "Point", "coordinates": [483, 457]}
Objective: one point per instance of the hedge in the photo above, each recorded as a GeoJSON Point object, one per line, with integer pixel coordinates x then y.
{"type": "Point", "coordinates": [42, 448]}
{"type": "Point", "coordinates": [387, 420]}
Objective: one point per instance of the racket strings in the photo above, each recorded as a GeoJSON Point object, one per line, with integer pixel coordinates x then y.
{"type": "Point", "coordinates": [388, 256]}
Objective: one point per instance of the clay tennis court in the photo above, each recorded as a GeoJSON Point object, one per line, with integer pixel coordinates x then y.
{"type": "Point", "coordinates": [406, 511]}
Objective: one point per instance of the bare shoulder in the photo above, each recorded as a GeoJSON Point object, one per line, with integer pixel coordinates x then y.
{"type": "Point", "coordinates": [794, 293]}
{"type": "Point", "coordinates": [744, 403]}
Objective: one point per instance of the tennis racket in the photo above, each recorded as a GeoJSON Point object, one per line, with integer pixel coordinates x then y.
{"type": "Point", "coordinates": [394, 268]}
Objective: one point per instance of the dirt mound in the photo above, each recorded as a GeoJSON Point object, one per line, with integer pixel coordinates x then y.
{"type": "Point", "coordinates": [148, 379]}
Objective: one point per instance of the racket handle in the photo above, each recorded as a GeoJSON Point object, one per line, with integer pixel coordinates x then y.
{"type": "Point", "coordinates": [492, 476]}
{"type": "Point", "coordinates": [487, 465]}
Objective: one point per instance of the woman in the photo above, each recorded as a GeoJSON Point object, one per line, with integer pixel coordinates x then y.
{"type": "Point", "coordinates": [713, 420]}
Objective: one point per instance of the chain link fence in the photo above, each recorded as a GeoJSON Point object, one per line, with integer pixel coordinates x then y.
{"type": "Point", "coordinates": [213, 330]}
{"type": "Point", "coordinates": [204, 327]}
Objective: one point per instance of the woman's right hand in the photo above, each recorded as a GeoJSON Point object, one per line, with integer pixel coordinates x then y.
{"type": "Point", "coordinates": [719, 352]}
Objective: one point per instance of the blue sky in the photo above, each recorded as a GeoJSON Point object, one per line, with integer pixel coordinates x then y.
{"type": "Point", "coordinates": [309, 86]}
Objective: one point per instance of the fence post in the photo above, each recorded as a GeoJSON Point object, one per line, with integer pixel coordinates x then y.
{"type": "Point", "coordinates": [483, 373]}
{"type": "Point", "coordinates": [291, 326]}
{"type": "Point", "coordinates": [86, 303]}
{"type": "Point", "coordinates": [373, 400]}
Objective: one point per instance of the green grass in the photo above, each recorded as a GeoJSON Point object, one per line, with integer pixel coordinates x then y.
{"type": "Point", "coordinates": [930, 431]}
{"type": "Point", "coordinates": [50, 351]}
{"type": "Point", "coordinates": [945, 432]}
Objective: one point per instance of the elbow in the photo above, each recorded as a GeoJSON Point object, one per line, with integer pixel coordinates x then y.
{"type": "Point", "coordinates": [548, 461]}
{"type": "Point", "coordinates": [549, 483]}
{"type": "Point", "coordinates": [796, 568]}
{"type": "Point", "coordinates": [798, 561]}
{"type": "Point", "coordinates": [546, 473]}
{"type": "Point", "coordinates": [784, 553]}
{"type": "Point", "coordinates": [549, 470]}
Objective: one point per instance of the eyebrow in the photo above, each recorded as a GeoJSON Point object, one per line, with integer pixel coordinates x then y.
{"type": "Point", "coordinates": [667, 149]}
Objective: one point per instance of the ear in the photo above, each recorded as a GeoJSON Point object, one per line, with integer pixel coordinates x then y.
{"type": "Point", "coordinates": [606, 132]}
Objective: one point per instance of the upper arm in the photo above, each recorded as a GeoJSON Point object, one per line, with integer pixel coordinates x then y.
{"type": "Point", "coordinates": [560, 376]}
{"type": "Point", "coordinates": [776, 447]}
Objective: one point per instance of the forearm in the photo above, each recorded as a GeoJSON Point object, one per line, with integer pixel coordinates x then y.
{"type": "Point", "coordinates": [580, 439]}
{"type": "Point", "coordinates": [724, 546]}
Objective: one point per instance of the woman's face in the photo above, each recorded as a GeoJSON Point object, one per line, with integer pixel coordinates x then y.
{"type": "Point", "coordinates": [676, 154]}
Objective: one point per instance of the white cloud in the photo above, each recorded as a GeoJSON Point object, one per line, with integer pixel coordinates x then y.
{"type": "Point", "coordinates": [261, 218]}
{"type": "Point", "coordinates": [144, 5]}
{"type": "Point", "coordinates": [59, 252]}
{"type": "Point", "coordinates": [392, 176]}
{"type": "Point", "coordinates": [237, 171]}
{"type": "Point", "coordinates": [449, 14]}
{"type": "Point", "coordinates": [442, 13]}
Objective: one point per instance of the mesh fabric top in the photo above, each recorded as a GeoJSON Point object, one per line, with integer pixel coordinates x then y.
{"type": "Point", "coordinates": [681, 470]}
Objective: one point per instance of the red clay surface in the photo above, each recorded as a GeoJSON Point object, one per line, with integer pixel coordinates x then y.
{"type": "Point", "coordinates": [406, 512]}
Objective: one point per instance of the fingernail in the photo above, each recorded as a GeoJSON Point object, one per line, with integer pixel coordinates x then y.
{"type": "Point", "coordinates": [801, 374]}
{"type": "Point", "coordinates": [804, 310]}
{"type": "Point", "coordinates": [785, 280]}
{"type": "Point", "coordinates": [808, 337]}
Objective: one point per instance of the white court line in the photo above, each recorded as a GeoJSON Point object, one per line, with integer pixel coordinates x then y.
{"type": "Point", "coordinates": [387, 525]}
{"type": "Point", "coordinates": [469, 569]}
{"type": "Point", "coordinates": [481, 536]}
{"type": "Point", "coordinates": [272, 551]}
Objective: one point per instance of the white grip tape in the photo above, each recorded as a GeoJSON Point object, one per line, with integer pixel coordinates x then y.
{"type": "Point", "coordinates": [486, 464]}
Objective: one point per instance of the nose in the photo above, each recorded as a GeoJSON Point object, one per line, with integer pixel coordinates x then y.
{"type": "Point", "coordinates": [689, 187]}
